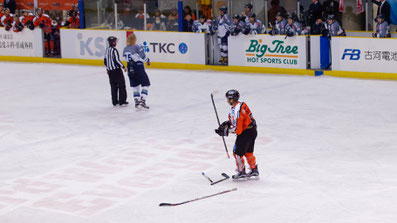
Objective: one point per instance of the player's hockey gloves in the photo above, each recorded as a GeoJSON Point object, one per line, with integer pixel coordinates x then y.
{"type": "Point", "coordinates": [19, 27]}
{"type": "Point", "coordinates": [7, 27]}
{"type": "Point", "coordinates": [246, 31]}
{"type": "Point", "coordinates": [290, 34]}
{"type": "Point", "coordinates": [30, 25]}
{"type": "Point", "coordinates": [223, 129]}
{"type": "Point", "coordinates": [42, 25]}
{"type": "Point", "coordinates": [273, 32]}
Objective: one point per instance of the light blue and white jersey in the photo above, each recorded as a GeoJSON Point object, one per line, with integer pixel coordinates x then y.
{"type": "Point", "coordinates": [135, 54]}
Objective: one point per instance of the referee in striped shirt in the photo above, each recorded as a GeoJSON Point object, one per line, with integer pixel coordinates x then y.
{"type": "Point", "coordinates": [116, 76]}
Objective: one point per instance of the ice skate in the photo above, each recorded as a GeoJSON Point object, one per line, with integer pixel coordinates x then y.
{"type": "Point", "coordinates": [240, 175]}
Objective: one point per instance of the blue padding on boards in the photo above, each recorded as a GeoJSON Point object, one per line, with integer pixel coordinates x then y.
{"type": "Point", "coordinates": [180, 16]}
{"type": "Point", "coordinates": [324, 52]}
{"type": "Point", "coordinates": [81, 12]}
{"type": "Point", "coordinates": [318, 73]}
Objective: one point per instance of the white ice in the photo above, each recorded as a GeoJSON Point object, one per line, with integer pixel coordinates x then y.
{"type": "Point", "coordinates": [327, 148]}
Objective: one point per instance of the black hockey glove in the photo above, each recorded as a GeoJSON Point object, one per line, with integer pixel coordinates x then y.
{"type": "Point", "coordinates": [223, 129]}
{"type": "Point", "coordinates": [30, 25]}
{"type": "Point", "coordinates": [225, 124]}
{"type": "Point", "coordinates": [246, 31]}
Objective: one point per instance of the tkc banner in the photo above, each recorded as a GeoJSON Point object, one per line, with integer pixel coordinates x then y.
{"type": "Point", "coordinates": [268, 51]}
{"type": "Point", "coordinates": [173, 47]}
{"type": "Point", "coordinates": [364, 54]}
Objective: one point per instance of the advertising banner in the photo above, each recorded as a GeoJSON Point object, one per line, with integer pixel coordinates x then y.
{"type": "Point", "coordinates": [268, 51]}
{"type": "Point", "coordinates": [167, 47]}
{"type": "Point", "coordinates": [173, 47]}
{"type": "Point", "coordinates": [364, 54]}
{"type": "Point", "coordinates": [89, 44]}
{"type": "Point", "coordinates": [47, 4]}
{"type": "Point", "coordinates": [27, 43]}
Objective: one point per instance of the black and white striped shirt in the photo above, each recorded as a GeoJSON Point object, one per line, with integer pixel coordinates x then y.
{"type": "Point", "coordinates": [112, 59]}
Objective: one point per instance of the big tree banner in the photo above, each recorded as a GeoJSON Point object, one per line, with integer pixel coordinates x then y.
{"type": "Point", "coordinates": [47, 4]}
{"type": "Point", "coordinates": [267, 51]}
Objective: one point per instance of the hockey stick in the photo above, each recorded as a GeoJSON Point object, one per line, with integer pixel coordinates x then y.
{"type": "Point", "coordinates": [200, 198]}
{"type": "Point", "coordinates": [207, 177]}
{"type": "Point", "coordinates": [219, 123]}
{"type": "Point", "coordinates": [223, 174]}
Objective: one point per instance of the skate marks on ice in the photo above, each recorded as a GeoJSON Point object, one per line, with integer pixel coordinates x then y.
{"type": "Point", "coordinates": [89, 187]}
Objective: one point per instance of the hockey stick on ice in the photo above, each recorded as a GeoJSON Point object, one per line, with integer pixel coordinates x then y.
{"type": "Point", "coordinates": [207, 177]}
{"type": "Point", "coordinates": [197, 199]}
{"type": "Point", "coordinates": [219, 123]}
{"type": "Point", "coordinates": [225, 178]}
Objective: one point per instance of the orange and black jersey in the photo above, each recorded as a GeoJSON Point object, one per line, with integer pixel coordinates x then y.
{"type": "Point", "coordinates": [240, 117]}
{"type": "Point", "coordinates": [26, 19]}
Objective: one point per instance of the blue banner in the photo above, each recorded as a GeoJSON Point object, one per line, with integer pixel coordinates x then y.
{"type": "Point", "coordinates": [393, 11]}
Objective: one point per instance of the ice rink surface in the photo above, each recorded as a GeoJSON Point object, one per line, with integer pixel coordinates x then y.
{"type": "Point", "coordinates": [327, 148]}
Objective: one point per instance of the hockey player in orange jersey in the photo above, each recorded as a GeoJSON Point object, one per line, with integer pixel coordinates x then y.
{"type": "Point", "coordinates": [242, 123]}
{"type": "Point", "coordinates": [27, 19]}
{"type": "Point", "coordinates": [1, 11]}
{"type": "Point", "coordinates": [44, 22]}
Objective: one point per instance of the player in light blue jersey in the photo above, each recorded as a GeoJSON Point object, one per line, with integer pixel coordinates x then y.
{"type": "Point", "coordinates": [136, 58]}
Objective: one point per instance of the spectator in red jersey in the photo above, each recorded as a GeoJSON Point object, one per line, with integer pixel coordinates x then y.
{"type": "Point", "coordinates": [6, 19]}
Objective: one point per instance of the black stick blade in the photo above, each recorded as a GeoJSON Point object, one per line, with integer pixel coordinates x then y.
{"type": "Point", "coordinates": [225, 175]}
{"type": "Point", "coordinates": [165, 204]}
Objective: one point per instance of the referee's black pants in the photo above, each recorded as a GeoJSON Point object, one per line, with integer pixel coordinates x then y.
{"type": "Point", "coordinates": [117, 86]}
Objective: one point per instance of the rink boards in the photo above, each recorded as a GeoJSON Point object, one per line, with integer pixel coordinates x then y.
{"type": "Point", "coordinates": [357, 57]}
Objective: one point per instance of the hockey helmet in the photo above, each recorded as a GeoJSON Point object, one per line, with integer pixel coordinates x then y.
{"type": "Point", "coordinates": [112, 40]}
{"type": "Point", "coordinates": [253, 15]}
{"type": "Point", "coordinates": [223, 9]}
{"type": "Point", "coordinates": [331, 17]}
{"type": "Point", "coordinates": [280, 14]}
{"type": "Point", "coordinates": [233, 94]}
{"type": "Point", "coordinates": [248, 5]}
{"type": "Point", "coordinates": [236, 17]}
{"type": "Point", "coordinates": [292, 17]}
